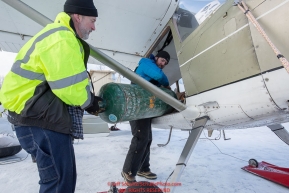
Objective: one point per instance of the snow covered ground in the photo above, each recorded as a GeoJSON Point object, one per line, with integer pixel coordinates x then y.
{"type": "Point", "coordinates": [100, 159]}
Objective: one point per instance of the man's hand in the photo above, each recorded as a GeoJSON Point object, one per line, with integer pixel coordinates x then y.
{"type": "Point", "coordinates": [96, 107]}
{"type": "Point", "coordinates": [168, 87]}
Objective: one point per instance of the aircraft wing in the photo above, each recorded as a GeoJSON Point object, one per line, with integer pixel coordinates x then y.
{"type": "Point", "coordinates": [125, 30]}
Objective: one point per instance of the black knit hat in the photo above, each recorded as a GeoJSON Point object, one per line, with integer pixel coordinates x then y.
{"type": "Point", "coordinates": [164, 54]}
{"type": "Point", "coordinates": [81, 7]}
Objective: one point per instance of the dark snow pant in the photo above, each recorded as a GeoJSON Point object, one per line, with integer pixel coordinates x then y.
{"type": "Point", "coordinates": [138, 155]}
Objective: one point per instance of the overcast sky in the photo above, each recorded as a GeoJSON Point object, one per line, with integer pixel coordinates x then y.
{"type": "Point", "coordinates": [195, 5]}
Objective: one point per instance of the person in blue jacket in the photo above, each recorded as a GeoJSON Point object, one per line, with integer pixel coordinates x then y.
{"type": "Point", "coordinates": [138, 156]}
{"type": "Point", "coordinates": [151, 69]}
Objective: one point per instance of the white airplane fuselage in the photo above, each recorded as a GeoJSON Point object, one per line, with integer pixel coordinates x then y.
{"type": "Point", "coordinates": [229, 71]}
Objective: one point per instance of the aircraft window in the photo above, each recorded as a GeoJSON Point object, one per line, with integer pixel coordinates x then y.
{"type": "Point", "coordinates": [192, 13]}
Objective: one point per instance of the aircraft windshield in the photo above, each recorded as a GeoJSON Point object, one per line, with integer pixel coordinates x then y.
{"type": "Point", "coordinates": [192, 13]}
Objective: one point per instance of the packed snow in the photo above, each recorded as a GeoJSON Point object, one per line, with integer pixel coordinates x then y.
{"type": "Point", "coordinates": [214, 167]}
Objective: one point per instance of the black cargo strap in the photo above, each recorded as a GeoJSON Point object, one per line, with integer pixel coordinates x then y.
{"type": "Point", "coordinates": [280, 56]}
{"type": "Point", "coordinates": [246, 11]}
{"type": "Point", "coordinates": [181, 164]}
{"type": "Point", "coordinates": [167, 41]}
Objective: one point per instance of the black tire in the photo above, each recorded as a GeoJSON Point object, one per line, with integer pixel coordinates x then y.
{"type": "Point", "coordinates": [253, 163]}
{"type": "Point", "coordinates": [9, 151]}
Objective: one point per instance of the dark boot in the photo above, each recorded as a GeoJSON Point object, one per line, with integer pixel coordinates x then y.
{"type": "Point", "coordinates": [148, 175]}
{"type": "Point", "coordinates": [129, 179]}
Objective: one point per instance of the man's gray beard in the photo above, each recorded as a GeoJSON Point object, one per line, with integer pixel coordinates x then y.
{"type": "Point", "coordinates": [84, 33]}
{"type": "Point", "coordinates": [85, 37]}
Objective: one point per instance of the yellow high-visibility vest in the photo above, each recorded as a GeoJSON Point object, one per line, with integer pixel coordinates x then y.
{"type": "Point", "coordinates": [54, 55]}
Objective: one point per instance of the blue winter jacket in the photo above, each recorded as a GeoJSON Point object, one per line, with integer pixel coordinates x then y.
{"type": "Point", "coordinates": [148, 69]}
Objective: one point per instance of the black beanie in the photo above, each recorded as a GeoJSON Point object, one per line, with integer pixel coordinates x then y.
{"type": "Point", "coordinates": [81, 7]}
{"type": "Point", "coordinates": [164, 54]}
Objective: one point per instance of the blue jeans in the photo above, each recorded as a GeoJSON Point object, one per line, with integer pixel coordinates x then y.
{"type": "Point", "coordinates": [54, 155]}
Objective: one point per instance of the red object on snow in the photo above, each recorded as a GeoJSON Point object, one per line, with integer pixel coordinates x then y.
{"type": "Point", "coordinates": [270, 172]}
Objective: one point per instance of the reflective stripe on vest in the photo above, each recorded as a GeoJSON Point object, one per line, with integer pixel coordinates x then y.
{"type": "Point", "coordinates": [65, 82]}
{"type": "Point", "coordinates": [16, 68]}
{"type": "Point", "coordinates": [58, 84]}
{"type": "Point", "coordinates": [87, 102]}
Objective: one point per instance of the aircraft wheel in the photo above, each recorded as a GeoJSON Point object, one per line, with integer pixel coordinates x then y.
{"type": "Point", "coordinates": [253, 163]}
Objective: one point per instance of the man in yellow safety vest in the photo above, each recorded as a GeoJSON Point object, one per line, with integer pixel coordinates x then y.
{"type": "Point", "coordinates": [47, 91]}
